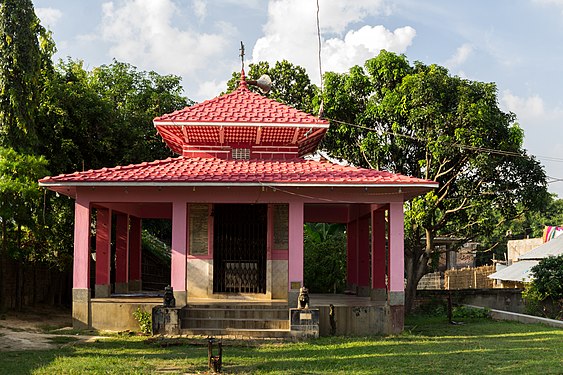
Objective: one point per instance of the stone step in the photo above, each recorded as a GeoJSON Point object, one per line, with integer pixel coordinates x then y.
{"type": "Point", "coordinates": [229, 313]}
{"type": "Point", "coordinates": [238, 333]}
{"type": "Point", "coordinates": [236, 305]}
{"type": "Point", "coordinates": [257, 324]}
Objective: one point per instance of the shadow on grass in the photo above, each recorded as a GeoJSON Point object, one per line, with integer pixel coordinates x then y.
{"type": "Point", "coordinates": [430, 346]}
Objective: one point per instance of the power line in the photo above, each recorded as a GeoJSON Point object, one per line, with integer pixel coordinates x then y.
{"type": "Point", "coordinates": [453, 144]}
{"type": "Point", "coordinates": [459, 145]}
{"type": "Point", "coordinates": [321, 114]}
{"type": "Point", "coordinates": [554, 179]}
{"type": "Point", "coordinates": [319, 45]}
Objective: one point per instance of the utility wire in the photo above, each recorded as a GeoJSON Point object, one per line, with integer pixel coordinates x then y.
{"type": "Point", "coordinates": [321, 109]}
{"type": "Point", "coordinates": [459, 145]}
{"type": "Point", "coordinates": [453, 144]}
{"type": "Point", "coordinates": [319, 45]}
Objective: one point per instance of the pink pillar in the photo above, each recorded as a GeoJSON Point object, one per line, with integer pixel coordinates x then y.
{"type": "Point", "coordinates": [121, 253]}
{"type": "Point", "coordinates": [363, 256]}
{"type": "Point", "coordinates": [396, 248]}
{"type": "Point", "coordinates": [103, 252]}
{"type": "Point", "coordinates": [295, 262]}
{"type": "Point", "coordinates": [135, 253]}
{"type": "Point", "coordinates": [396, 266]}
{"type": "Point", "coordinates": [378, 256]}
{"type": "Point", "coordinates": [81, 268]}
{"type": "Point", "coordinates": [179, 260]}
{"type": "Point", "coordinates": [352, 254]}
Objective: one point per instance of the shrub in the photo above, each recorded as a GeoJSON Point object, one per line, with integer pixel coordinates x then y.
{"type": "Point", "coordinates": [145, 320]}
{"type": "Point", "coordinates": [544, 295]}
{"type": "Point", "coordinates": [465, 312]}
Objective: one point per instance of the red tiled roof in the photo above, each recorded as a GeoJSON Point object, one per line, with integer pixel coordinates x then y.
{"type": "Point", "coordinates": [241, 106]}
{"type": "Point", "coordinates": [240, 118]}
{"type": "Point", "coordinates": [210, 171]}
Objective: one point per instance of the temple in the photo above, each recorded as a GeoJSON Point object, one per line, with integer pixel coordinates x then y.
{"type": "Point", "coordinates": [237, 197]}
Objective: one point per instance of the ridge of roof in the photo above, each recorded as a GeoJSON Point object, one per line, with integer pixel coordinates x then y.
{"type": "Point", "coordinates": [243, 106]}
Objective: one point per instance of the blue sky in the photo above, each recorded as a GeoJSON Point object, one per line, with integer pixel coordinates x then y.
{"type": "Point", "coordinates": [516, 44]}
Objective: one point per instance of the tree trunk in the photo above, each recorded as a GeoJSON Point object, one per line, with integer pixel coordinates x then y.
{"type": "Point", "coordinates": [415, 267]}
{"type": "Point", "coordinates": [34, 284]}
{"type": "Point", "coordinates": [19, 275]}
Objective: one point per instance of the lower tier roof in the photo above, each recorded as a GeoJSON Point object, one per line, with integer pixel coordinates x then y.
{"type": "Point", "coordinates": [183, 171]}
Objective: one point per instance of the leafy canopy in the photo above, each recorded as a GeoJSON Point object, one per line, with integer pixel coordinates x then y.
{"type": "Point", "coordinates": [19, 198]}
{"type": "Point", "coordinates": [418, 120]}
{"type": "Point", "coordinates": [103, 117]}
{"type": "Point", "coordinates": [25, 51]}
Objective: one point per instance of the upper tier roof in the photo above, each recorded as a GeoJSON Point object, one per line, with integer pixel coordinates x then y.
{"type": "Point", "coordinates": [240, 119]}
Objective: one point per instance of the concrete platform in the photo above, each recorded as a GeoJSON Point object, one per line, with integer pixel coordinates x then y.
{"type": "Point", "coordinates": [353, 315]}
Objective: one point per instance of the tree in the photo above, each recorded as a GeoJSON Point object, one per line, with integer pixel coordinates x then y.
{"type": "Point", "coordinates": [290, 84]}
{"type": "Point", "coordinates": [137, 97]}
{"type": "Point", "coordinates": [420, 121]}
{"type": "Point", "coordinates": [19, 209]}
{"type": "Point", "coordinates": [324, 257]}
{"type": "Point", "coordinates": [25, 48]}
{"type": "Point", "coordinates": [94, 119]}
{"type": "Point", "coordinates": [103, 117]}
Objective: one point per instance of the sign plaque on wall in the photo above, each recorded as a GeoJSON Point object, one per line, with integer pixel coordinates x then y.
{"type": "Point", "coordinates": [281, 227]}
{"type": "Point", "coordinates": [199, 214]}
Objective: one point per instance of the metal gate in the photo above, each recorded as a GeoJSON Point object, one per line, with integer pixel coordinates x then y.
{"type": "Point", "coordinates": [239, 248]}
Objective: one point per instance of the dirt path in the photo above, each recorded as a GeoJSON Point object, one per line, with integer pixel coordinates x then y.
{"type": "Point", "coordinates": [26, 330]}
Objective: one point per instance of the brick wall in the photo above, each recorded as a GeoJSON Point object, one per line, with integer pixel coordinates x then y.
{"type": "Point", "coordinates": [430, 281]}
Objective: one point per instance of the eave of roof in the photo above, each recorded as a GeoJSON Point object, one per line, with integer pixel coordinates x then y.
{"type": "Point", "coordinates": [184, 171]}
{"type": "Point", "coordinates": [520, 271]}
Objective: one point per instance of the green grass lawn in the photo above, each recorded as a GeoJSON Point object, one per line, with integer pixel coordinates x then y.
{"type": "Point", "coordinates": [429, 346]}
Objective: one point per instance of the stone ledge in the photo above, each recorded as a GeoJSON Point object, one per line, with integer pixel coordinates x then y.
{"type": "Point", "coordinates": [522, 318]}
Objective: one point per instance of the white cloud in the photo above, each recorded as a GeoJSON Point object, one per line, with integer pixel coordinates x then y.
{"type": "Point", "coordinates": [336, 15]}
{"type": "Point", "coordinates": [460, 56]}
{"type": "Point", "coordinates": [253, 4]}
{"type": "Point", "coordinates": [48, 16]}
{"type": "Point", "coordinates": [141, 32]}
{"type": "Point", "coordinates": [360, 45]}
{"type": "Point", "coordinates": [528, 108]}
{"type": "Point", "coordinates": [200, 8]}
{"type": "Point", "coordinates": [558, 3]}
{"type": "Point", "coordinates": [291, 33]}
{"type": "Point", "coordinates": [542, 126]}
{"type": "Point", "coordinates": [211, 89]}
{"type": "Point", "coordinates": [551, 3]}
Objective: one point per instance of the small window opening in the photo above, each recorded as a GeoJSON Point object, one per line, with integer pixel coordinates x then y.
{"type": "Point", "coordinates": [241, 153]}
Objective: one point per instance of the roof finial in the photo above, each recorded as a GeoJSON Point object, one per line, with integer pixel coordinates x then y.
{"type": "Point", "coordinates": [242, 54]}
{"type": "Point", "coordinates": [242, 76]}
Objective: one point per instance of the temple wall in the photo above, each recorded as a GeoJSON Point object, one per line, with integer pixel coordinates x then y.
{"type": "Point", "coordinates": [200, 278]}
{"type": "Point", "coordinates": [279, 279]}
